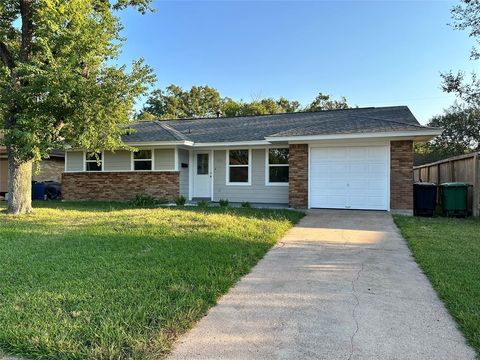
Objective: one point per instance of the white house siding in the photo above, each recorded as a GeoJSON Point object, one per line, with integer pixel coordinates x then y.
{"type": "Point", "coordinates": [183, 157]}
{"type": "Point", "coordinates": [74, 160]}
{"type": "Point", "coordinates": [257, 192]}
{"type": "Point", "coordinates": [164, 159]}
{"type": "Point", "coordinates": [117, 161]}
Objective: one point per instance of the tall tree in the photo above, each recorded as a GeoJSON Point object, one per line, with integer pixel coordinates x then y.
{"type": "Point", "coordinates": [176, 103]}
{"type": "Point", "coordinates": [325, 102]}
{"type": "Point", "coordinates": [204, 101]}
{"type": "Point", "coordinates": [461, 134]}
{"type": "Point", "coordinates": [466, 17]}
{"type": "Point", "coordinates": [57, 84]}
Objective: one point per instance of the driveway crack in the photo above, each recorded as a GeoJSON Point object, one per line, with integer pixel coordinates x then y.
{"type": "Point", "coordinates": [357, 303]}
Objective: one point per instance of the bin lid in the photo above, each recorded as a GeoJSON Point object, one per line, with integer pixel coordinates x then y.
{"type": "Point", "coordinates": [425, 183]}
{"type": "Point", "coordinates": [454, 184]}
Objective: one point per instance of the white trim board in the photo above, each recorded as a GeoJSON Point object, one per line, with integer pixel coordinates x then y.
{"type": "Point", "coordinates": [383, 135]}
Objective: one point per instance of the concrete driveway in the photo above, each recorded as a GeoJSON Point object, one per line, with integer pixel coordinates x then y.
{"type": "Point", "coordinates": [339, 285]}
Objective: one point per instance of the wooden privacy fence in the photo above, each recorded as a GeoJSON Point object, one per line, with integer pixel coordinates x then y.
{"type": "Point", "coordinates": [464, 168]}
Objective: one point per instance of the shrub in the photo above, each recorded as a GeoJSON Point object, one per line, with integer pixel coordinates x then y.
{"type": "Point", "coordinates": [223, 202]}
{"type": "Point", "coordinates": [180, 200]}
{"type": "Point", "coordinates": [246, 204]}
{"type": "Point", "coordinates": [203, 203]}
{"type": "Point", "coordinates": [142, 200]}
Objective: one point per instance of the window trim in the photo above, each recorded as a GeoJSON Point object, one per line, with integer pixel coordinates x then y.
{"type": "Point", "coordinates": [85, 161]}
{"type": "Point", "coordinates": [152, 159]}
{"type": "Point", "coordinates": [227, 168]}
{"type": "Point", "coordinates": [268, 165]}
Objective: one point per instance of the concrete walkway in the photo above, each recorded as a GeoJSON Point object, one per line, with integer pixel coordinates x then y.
{"type": "Point", "coordinates": [340, 285]}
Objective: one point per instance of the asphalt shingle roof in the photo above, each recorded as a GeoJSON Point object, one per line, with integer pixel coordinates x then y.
{"type": "Point", "coordinates": [248, 128]}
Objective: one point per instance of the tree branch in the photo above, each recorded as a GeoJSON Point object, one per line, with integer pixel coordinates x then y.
{"type": "Point", "coordinates": [6, 56]}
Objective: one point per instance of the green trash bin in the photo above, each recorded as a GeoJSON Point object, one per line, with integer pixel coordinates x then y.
{"type": "Point", "coordinates": [454, 196]}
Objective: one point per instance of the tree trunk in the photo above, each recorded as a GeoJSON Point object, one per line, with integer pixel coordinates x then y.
{"type": "Point", "coordinates": [19, 185]}
{"type": "Point", "coordinates": [20, 171]}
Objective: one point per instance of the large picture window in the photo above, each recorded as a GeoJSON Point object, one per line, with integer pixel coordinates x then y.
{"type": "Point", "coordinates": [93, 162]}
{"type": "Point", "coordinates": [277, 166]}
{"type": "Point", "coordinates": [142, 160]}
{"type": "Point", "coordinates": [238, 167]}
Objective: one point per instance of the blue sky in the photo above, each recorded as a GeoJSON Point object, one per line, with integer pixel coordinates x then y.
{"type": "Point", "coordinates": [374, 53]}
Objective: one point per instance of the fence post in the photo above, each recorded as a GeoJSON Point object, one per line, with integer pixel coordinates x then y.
{"type": "Point", "coordinates": [476, 186]}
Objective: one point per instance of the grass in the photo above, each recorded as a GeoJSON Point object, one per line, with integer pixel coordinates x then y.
{"type": "Point", "coordinates": [107, 281]}
{"type": "Point", "coordinates": [448, 251]}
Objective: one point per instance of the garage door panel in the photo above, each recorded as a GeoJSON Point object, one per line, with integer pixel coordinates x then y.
{"type": "Point", "coordinates": [338, 153]}
{"type": "Point", "coordinates": [329, 191]}
{"type": "Point", "coordinates": [377, 169]}
{"type": "Point", "coordinates": [359, 153]}
{"type": "Point", "coordinates": [367, 184]}
{"type": "Point", "coordinates": [349, 177]}
{"type": "Point", "coordinates": [330, 201]}
{"type": "Point", "coordinates": [367, 203]}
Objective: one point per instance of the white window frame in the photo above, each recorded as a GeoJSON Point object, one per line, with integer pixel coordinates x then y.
{"type": "Point", "coordinates": [85, 161]}
{"type": "Point", "coordinates": [228, 166]}
{"type": "Point", "coordinates": [152, 159]}
{"type": "Point", "coordinates": [268, 165]}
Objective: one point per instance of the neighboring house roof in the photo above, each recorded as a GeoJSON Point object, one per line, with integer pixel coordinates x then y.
{"type": "Point", "coordinates": [251, 128]}
{"type": "Point", "coordinates": [53, 153]}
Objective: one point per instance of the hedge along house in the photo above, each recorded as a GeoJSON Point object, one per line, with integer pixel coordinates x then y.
{"type": "Point", "coordinates": [344, 159]}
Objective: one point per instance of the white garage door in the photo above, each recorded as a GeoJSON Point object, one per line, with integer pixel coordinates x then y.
{"type": "Point", "coordinates": [349, 177]}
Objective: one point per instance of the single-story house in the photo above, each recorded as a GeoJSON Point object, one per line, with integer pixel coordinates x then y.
{"type": "Point", "coordinates": [357, 158]}
{"type": "Point", "coordinates": [50, 169]}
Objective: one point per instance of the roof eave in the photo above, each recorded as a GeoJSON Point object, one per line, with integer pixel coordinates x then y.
{"type": "Point", "coordinates": [417, 135]}
{"type": "Point", "coordinates": [159, 143]}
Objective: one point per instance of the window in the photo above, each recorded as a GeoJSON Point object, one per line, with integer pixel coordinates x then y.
{"type": "Point", "coordinates": [238, 167]}
{"type": "Point", "coordinates": [202, 164]}
{"type": "Point", "coordinates": [93, 162]}
{"type": "Point", "coordinates": [142, 160]}
{"type": "Point", "coordinates": [277, 166]}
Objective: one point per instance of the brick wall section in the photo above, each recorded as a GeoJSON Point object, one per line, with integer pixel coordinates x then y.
{"type": "Point", "coordinates": [298, 176]}
{"type": "Point", "coordinates": [120, 186]}
{"type": "Point", "coordinates": [401, 175]}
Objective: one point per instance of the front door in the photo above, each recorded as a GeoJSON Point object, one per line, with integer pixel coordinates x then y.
{"type": "Point", "coordinates": [202, 175]}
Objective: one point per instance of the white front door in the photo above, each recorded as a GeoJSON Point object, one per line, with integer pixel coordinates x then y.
{"type": "Point", "coordinates": [354, 177]}
{"type": "Point", "coordinates": [202, 171]}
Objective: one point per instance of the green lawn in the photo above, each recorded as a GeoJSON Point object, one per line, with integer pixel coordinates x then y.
{"type": "Point", "coordinates": [105, 281]}
{"type": "Point", "coordinates": [448, 251]}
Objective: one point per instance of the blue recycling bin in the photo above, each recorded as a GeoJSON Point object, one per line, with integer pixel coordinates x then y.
{"type": "Point", "coordinates": [38, 191]}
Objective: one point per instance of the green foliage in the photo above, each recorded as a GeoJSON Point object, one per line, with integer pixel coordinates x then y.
{"type": "Point", "coordinates": [466, 16]}
{"type": "Point", "coordinates": [246, 204]}
{"type": "Point", "coordinates": [203, 203]}
{"type": "Point", "coordinates": [104, 281]}
{"type": "Point", "coordinates": [223, 202]}
{"type": "Point", "coordinates": [461, 135]}
{"type": "Point", "coordinates": [325, 102]}
{"type": "Point", "coordinates": [58, 84]}
{"type": "Point", "coordinates": [205, 101]}
{"type": "Point", "coordinates": [174, 102]}
{"type": "Point", "coordinates": [180, 200]}
{"type": "Point", "coordinates": [145, 201]}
